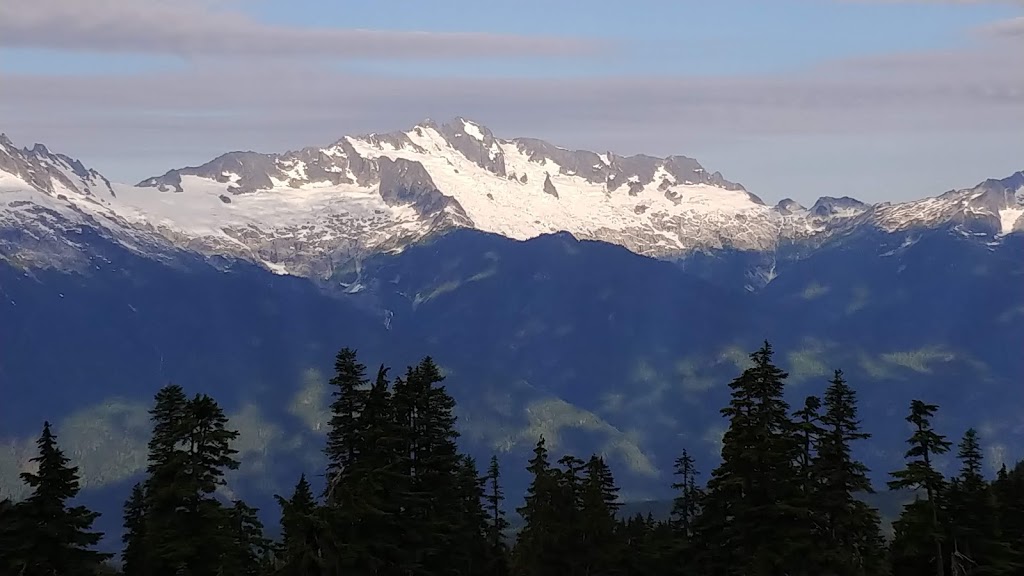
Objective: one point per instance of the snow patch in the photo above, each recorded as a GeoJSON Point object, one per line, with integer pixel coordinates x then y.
{"type": "Point", "coordinates": [1008, 218]}
{"type": "Point", "coordinates": [472, 130]}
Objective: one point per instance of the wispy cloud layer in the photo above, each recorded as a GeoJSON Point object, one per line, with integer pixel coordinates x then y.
{"type": "Point", "coordinates": [209, 28]}
{"type": "Point", "coordinates": [956, 102]}
{"type": "Point", "coordinates": [917, 91]}
{"type": "Point", "coordinates": [1013, 28]}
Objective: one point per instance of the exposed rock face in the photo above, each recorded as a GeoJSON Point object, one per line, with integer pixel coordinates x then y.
{"type": "Point", "coordinates": [51, 173]}
{"type": "Point", "coordinates": [549, 187]}
{"type": "Point", "coordinates": [787, 207]}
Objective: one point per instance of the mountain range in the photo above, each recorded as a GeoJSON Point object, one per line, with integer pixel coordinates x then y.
{"type": "Point", "coordinates": [603, 301]}
{"type": "Point", "coordinates": [310, 211]}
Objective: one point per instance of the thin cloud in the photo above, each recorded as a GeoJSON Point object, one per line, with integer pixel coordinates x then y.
{"type": "Point", "coordinates": [925, 117]}
{"type": "Point", "coordinates": [194, 28]}
{"type": "Point", "coordinates": [952, 85]}
{"type": "Point", "coordinates": [1011, 28]}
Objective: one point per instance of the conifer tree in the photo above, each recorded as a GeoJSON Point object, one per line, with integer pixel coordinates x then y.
{"type": "Point", "coordinates": [298, 552]}
{"type": "Point", "coordinates": [208, 444]}
{"type": "Point", "coordinates": [851, 541]}
{"type": "Point", "coordinates": [363, 457]}
{"type": "Point", "coordinates": [189, 452]}
{"type": "Point", "coordinates": [133, 554]}
{"type": "Point", "coordinates": [349, 393]}
{"type": "Point", "coordinates": [599, 545]}
{"type": "Point", "coordinates": [247, 554]}
{"type": "Point", "coordinates": [536, 551]}
{"type": "Point", "coordinates": [922, 518]}
{"type": "Point", "coordinates": [12, 538]}
{"type": "Point", "coordinates": [165, 538]}
{"type": "Point", "coordinates": [686, 504]}
{"type": "Point", "coordinates": [1008, 489]}
{"type": "Point", "coordinates": [497, 524]}
{"type": "Point", "coordinates": [437, 464]}
{"type": "Point", "coordinates": [569, 534]}
{"type": "Point", "coordinates": [753, 522]}
{"type": "Point", "coordinates": [57, 536]}
{"type": "Point", "coordinates": [809, 432]}
{"type": "Point", "coordinates": [383, 480]}
{"type": "Point", "coordinates": [974, 516]}
{"type": "Point", "coordinates": [473, 554]}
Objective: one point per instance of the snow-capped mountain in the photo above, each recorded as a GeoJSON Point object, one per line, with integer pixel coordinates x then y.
{"type": "Point", "coordinates": [46, 199]}
{"type": "Point", "coordinates": [307, 211]}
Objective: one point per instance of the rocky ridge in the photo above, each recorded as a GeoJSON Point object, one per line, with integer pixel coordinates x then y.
{"type": "Point", "coordinates": [309, 211]}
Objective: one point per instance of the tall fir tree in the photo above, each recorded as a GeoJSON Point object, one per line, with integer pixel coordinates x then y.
{"type": "Point", "coordinates": [851, 540]}
{"type": "Point", "coordinates": [13, 545]}
{"type": "Point", "coordinates": [298, 552]}
{"type": "Point", "coordinates": [133, 553]}
{"type": "Point", "coordinates": [569, 534]}
{"type": "Point", "coordinates": [974, 517]}
{"type": "Point", "coordinates": [384, 483]}
{"type": "Point", "coordinates": [921, 519]}
{"type": "Point", "coordinates": [537, 552]}
{"type": "Point", "coordinates": [249, 550]}
{"type": "Point", "coordinates": [1008, 489]}
{"type": "Point", "coordinates": [166, 538]}
{"type": "Point", "coordinates": [808, 432]}
{"type": "Point", "coordinates": [210, 454]}
{"type": "Point", "coordinates": [497, 524]}
{"type": "Point", "coordinates": [599, 542]}
{"type": "Point", "coordinates": [754, 522]}
{"type": "Point", "coordinates": [349, 393]}
{"type": "Point", "coordinates": [473, 554]}
{"type": "Point", "coordinates": [190, 450]}
{"type": "Point", "coordinates": [58, 536]}
{"type": "Point", "coordinates": [426, 411]}
{"type": "Point", "coordinates": [687, 501]}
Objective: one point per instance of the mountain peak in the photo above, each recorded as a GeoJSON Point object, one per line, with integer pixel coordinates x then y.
{"type": "Point", "coordinates": [842, 206]}
{"type": "Point", "coordinates": [788, 206]}
{"type": "Point", "coordinates": [49, 173]}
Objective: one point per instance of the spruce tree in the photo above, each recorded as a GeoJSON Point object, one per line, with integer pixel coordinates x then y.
{"type": "Point", "coordinates": [536, 551]}
{"type": "Point", "coordinates": [349, 393]}
{"type": "Point", "coordinates": [210, 455]}
{"type": "Point", "coordinates": [133, 554]}
{"type": "Point", "coordinates": [434, 512]}
{"type": "Point", "coordinates": [13, 545]}
{"type": "Point", "coordinates": [809, 432]}
{"type": "Point", "coordinates": [166, 538]}
{"type": "Point", "coordinates": [1008, 489]}
{"type": "Point", "coordinates": [922, 517]}
{"type": "Point", "coordinates": [686, 504]}
{"type": "Point", "coordinates": [497, 524]}
{"type": "Point", "coordinates": [569, 536]}
{"type": "Point", "coordinates": [753, 521]}
{"type": "Point", "coordinates": [383, 481]}
{"type": "Point", "coordinates": [58, 537]}
{"type": "Point", "coordinates": [851, 541]}
{"type": "Point", "coordinates": [248, 550]}
{"type": "Point", "coordinates": [600, 549]}
{"type": "Point", "coordinates": [189, 453]}
{"type": "Point", "coordinates": [473, 555]}
{"type": "Point", "coordinates": [299, 550]}
{"type": "Point", "coordinates": [974, 516]}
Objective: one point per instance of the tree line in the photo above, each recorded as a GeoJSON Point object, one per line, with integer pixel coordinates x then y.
{"type": "Point", "coordinates": [401, 499]}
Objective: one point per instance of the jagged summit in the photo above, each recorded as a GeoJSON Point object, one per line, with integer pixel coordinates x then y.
{"type": "Point", "coordinates": [788, 206]}
{"type": "Point", "coordinates": [51, 173]}
{"type": "Point", "coordinates": [307, 211]}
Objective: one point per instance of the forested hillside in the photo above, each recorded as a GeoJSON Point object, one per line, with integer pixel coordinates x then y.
{"type": "Point", "coordinates": [398, 496]}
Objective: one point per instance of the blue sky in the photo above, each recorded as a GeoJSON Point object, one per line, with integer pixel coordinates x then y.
{"type": "Point", "coordinates": [881, 99]}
